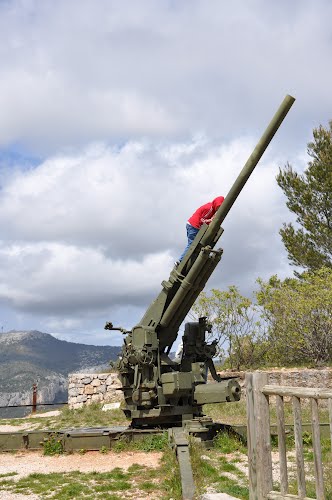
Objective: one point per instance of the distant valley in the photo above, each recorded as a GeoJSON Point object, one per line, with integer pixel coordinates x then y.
{"type": "Point", "coordinates": [28, 357]}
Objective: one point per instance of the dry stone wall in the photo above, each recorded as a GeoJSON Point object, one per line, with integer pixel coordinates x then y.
{"type": "Point", "coordinates": [321, 378]}
{"type": "Point", "coordinates": [302, 378]}
{"type": "Point", "coordinates": [87, 388]}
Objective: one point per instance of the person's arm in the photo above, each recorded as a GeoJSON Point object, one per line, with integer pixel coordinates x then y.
{"type": "Point", "coordinates": [207, 221]}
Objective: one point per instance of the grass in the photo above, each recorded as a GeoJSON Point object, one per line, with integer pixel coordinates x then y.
{"type": "Point", "coordinates": [236, 413]}
{"type": "Point", "coordinates": [219, 468]}
{"type": "Point", "coordinates": [153, 442]}
{"type": "Point", "coordinates": [90, 416]}
{"type": "Point", "coordinates": [163, 482]}
{"type": "Point", "coordinates": [71, 485]}
{"type": "Point", "coordinates": [53, 445]}
{"type": "Point", "coordinates": [221, 473]}
{"type": "Point", "coordinates": [228, 443]}
{"type": "Point", "coordinates": [87, 416]}
{"type": "Point", "coordinates": [305, 412]}
{"type": "Point", "coordinates": [310, 467]}
{"type": "Point", "coordinates": [227, 413]}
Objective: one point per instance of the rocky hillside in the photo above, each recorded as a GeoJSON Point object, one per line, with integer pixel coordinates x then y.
{"type": "Point", "coordinates": [30, 357]}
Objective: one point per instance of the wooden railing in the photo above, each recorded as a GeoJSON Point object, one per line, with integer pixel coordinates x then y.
{"type": "Point", "coordinates": [259, 438]}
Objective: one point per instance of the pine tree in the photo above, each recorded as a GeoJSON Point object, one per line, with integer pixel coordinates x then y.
{"type": "Point", "coordinates": [310, 198]}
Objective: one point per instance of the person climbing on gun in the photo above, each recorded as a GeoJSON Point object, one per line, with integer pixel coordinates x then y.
{"type": "Point", "coordinates": [203, 215]}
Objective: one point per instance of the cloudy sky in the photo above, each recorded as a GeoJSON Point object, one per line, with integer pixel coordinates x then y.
{"type": "Point", "coordinates": [118, 119]}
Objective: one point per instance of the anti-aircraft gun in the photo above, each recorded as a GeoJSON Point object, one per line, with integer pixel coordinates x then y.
{"type": "Point", "coordinates": [158, 390]}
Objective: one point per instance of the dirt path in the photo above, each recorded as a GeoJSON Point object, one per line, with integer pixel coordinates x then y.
{"type": "Point", "coordinates": [5, 495]}
{"type": "Point", "coordinates": [28, 462]}
{"type": "Point", "coordinates": [15, 428]}
{"type": "Point", "coordinates": [27, 422]}
{"type": "Point", "coordinates": [25, 463]}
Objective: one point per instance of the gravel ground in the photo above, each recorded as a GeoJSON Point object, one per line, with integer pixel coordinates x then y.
{"type": "Point", "coordinates": [5, 495]}
{"type": "Point", "coordinates": [14, 428]}
{"type": "Point", "coordinates": [27, 423]}
{"type": "Point", "coordinates": [27, 462]}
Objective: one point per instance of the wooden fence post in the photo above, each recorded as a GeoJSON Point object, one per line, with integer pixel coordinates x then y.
{"type": "Point", "coordinates": [330, 419]}
{"type": "Point", "coordinates": [316, 444]}
{"type": "Point", "coordinates": [251, 438]}
{"type": "Point", "coordinates": [34, 398]}
{"type": "Point", "coordinates": [282, 445]}
{"type": "Point", "coordinates": [263, 436]}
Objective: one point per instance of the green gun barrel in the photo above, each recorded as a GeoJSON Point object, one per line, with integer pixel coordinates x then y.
{"type": "Point", "coordinates": [184, 297]}
{"type": "Point", "coordinates": [248, 169]}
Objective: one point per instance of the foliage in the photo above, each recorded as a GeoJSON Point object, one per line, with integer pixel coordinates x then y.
{"type": "Point", "coordinates": [299, 314]}
{"type": "Point", "coordinates": [234, 319]}
{"type": "Point", "coordinates": [171, 479]}
{"type": "Point", "coordinates": [216, 472]}
{"type": "Point", "coordinates": [309, 197]}
{"type": "Point", "coordinates": [228, 442]}
{"type": "Point", "coordinates": [52, 445]}
{"type": "Point", "coordinates": [153, 442]}
{"type": "Point", "coordinates": [150, 442]}
{"type": "Point", "coordinates": [88, 416]}
{"type": "Point", "coordinates": [290, 324]}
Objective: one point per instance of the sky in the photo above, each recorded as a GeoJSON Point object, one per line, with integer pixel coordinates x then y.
{"type": "Point", "coordinates": [118, 120]}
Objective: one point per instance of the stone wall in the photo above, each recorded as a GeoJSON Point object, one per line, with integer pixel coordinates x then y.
{"type": "Point", "coordinates": [87, 388]}
{"type": "Point", "coordinates": [302, 378]}
{"type": "Point", "coordinates": [321, 378]}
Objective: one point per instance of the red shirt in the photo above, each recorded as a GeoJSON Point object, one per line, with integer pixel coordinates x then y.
{"type": "Point", "coordinates": [205, 212]}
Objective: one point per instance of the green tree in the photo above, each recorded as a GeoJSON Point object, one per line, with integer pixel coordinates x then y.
{"type": "Point", "coordinates": [310, 199]}
{"type": "Point", "coordinates": [234, 324]}
{"type": "Point", "coordinates": [299, 315]}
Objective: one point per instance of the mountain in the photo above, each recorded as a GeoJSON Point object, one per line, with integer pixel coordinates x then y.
{"type": "Point", "coordinates": [29, 357]}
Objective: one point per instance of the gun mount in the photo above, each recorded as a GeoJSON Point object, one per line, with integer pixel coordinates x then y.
{"type": "Point", "coordinates": [158, 390]}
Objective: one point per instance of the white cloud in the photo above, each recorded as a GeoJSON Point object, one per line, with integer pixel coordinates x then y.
{"type": "Point", "coordinates": [54, 278]}
{"type": "Point", "coordinates": [142, 111]}
{"type": "Point", "coordinates": [95, 231]}
{"type": "Point", "coordinates": [125, 202]}
{"type": "Point", "coordinates": [111, 71]}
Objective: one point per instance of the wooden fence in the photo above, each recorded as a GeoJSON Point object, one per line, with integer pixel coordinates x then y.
{"type": "Point", "coordinates": [259, 437]}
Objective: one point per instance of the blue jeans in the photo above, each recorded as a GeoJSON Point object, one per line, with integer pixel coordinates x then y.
{"type": "Point", "coordinates": [191, 234]}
